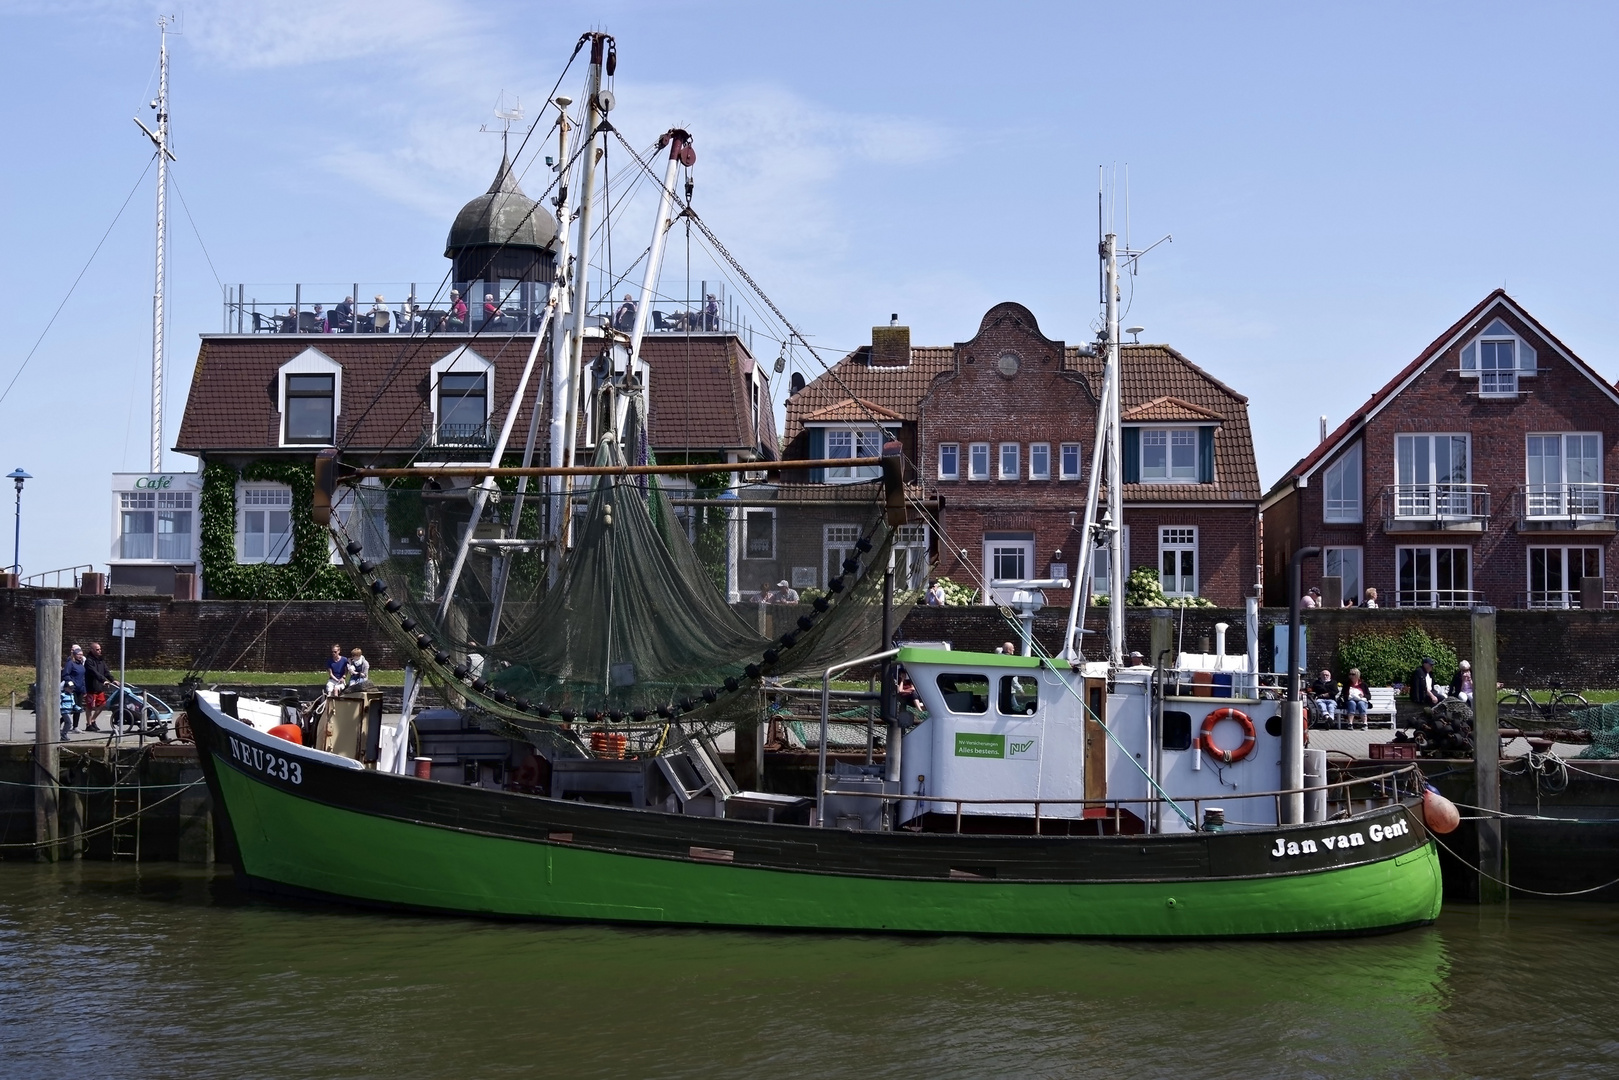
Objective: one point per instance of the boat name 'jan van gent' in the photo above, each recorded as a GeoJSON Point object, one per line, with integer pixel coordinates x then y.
{"type": "Point", "coordinates": [1289, 848]}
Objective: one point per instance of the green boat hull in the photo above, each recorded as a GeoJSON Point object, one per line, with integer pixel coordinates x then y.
{"type": "Point", "coordinates": [292, 843]}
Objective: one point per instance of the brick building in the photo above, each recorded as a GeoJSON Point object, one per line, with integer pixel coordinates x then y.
{"type": "Point", "coordinates": [1475, 475]}
{"type": "Point", "coordinates": [1001, 428]}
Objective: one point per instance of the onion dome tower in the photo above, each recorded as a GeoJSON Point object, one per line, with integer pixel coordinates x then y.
{"type": "Point", "coordinates": [502, 235]}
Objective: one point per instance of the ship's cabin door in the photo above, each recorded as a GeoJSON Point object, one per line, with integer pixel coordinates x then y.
{"type": "Point", "coordinates": [1094, 693]}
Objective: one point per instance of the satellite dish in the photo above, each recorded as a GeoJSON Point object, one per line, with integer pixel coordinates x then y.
{"type": "Point", "coordinates": [563, 101]}
{"type": "Point", "coordinates": [1135, 333]}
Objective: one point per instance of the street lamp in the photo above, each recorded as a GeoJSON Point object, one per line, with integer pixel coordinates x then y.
{"type": "Point", "coordinates": [17, 476]}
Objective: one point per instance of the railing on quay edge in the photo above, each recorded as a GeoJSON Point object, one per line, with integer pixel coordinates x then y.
{"type": "Point", "coordinates": [1388, 788]}
{"type": "Point", "coordinates": [37, 581]}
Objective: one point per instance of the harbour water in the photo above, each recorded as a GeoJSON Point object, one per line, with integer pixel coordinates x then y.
{"type": "Point", "coordinates": [163, 971]}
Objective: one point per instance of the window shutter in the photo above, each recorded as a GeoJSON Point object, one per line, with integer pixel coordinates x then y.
{"type": "Point", "coordinates": [1132, 455]}
{"type": "Point", "coordinates": [817, 449]}
{"type": "Point", "coordinates": [1205, 455]}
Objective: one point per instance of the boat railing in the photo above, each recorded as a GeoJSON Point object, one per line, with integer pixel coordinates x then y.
{"type": "Point", "coordinates": [1386, 788]}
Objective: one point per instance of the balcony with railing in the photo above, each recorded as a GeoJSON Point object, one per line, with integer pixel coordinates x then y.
{"type": "Point", "coordinates": [1563, 599]}
{"type": "Point", "coordinates": [1438, 598]}
{"type": "Point", "coordinates": [455, 442]}
{"type": "Point", "coordinates": [1447, 508]}
{"type": "Point", "coordinates": [1566, 508]}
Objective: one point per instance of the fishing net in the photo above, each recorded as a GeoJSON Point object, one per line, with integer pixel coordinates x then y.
{"type": "Point", "coordinates": [1602, 721]}
{"type": "Point", "coordinates": [632, 629]}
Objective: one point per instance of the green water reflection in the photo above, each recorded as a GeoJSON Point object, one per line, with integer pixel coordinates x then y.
{"type": "Point", "coordinates": [110, 971]}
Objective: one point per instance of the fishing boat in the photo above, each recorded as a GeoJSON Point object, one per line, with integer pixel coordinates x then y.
{"type": "Point", "coordinates": [1042, 793]}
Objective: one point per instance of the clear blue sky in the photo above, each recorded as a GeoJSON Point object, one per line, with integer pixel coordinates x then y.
{"type": "Point", "coordinates": [1342, 181]}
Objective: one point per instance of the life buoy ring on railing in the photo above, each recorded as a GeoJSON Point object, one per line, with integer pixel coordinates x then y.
{"type": "Point", "coordinates": [1248, 735]}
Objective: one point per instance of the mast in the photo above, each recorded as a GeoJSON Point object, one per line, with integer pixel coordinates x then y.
{"type": "Point", "coordinates": [561, 348]}
{"type": "Point", "coordinates": [598, 103]}
{"type": "Point", "coordinates": [1115, 462]}
{"type": "Point", "coordinates": [680, 153]}
{"type": "Point", "coordinates": [160, 139]}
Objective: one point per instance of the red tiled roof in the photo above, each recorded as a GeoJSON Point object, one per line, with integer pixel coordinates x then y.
{"type": "Point", "coordinates": [698, 390]}
{"type": "Point", "coordinates": [1353, 422]}
{"type": "Point", "coordinates": [1171, 409]}
{"type": "Point", "coordinates": [896, 390]}
{"type": "Point", "coordinates": [852, 409]}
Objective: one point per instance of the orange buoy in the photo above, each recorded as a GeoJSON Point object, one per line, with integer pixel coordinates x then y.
{"type": "Point", "coordinates": [1439, 813]}
{"type": "Point", "coordinates": [290, 732]}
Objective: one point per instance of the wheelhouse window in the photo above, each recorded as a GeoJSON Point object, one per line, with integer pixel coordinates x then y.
{"type": "Point", "coordinates": [1009, 460]}
{"type": "Point", "coordinates": [1555, 574]}
{"type": "Point", "coordinates": [964, 693]}
{"type": "Point", "coordinates": [1434, 577]}
{"type": "Point", "coordinates": [949, 461]}
{"type": "Point", "coordinates": [1168, 455]}
{"type": "Point", "coordinates": [1564, 476]}
{"type": "Point", "coordinates": [1020, 695]}
{"type": "Point", "coordinates": [310, 413]}
{"type": "Point", "coordinates": [1341, 495]}
{"type": "Point", "coordinates": [463, 408]}
{"type": "Point", "coordinates": [263, 523]}
{"type": "Point", "coordinates": [978, 461]}
{"type": "Point", "coordinates": [1070, 461]}
{"type": "Point", "coordinates": [1177, 560]}
{"type": "Point", "coordinates": [1039, 461]}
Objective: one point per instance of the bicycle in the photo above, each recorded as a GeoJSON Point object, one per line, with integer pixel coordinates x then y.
{"type": "Point", "coordinates": [1521, 707]}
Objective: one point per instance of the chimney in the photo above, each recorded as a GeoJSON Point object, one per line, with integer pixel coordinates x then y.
{"type": "Point", "coordinates": [890, 345]}
{"type": "Point", "coordinates": [1323, 430]}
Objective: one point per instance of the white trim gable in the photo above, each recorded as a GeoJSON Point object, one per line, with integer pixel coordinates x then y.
{"type": "Point", "coordinates": [309, 362]}
{"type": "Point", "coordinates": [462, 361]}
{"type": "Point", "coordinates": [1491, 315]}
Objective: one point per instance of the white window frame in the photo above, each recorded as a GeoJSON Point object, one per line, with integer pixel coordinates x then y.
{"type": "Point", "coordinates": [309, 362]}
{"type": "Point", "coordinates": [1340, 504]}
{"type": "Point", "coordinates": [1002, 547]}
{"type": "Point", "coordinates": [1008, 453]}
{"type": "Point", "coordinates": [1562, 497]}
{"type": "Point", "coordinates": [953, 451]}
{"type": "Point", "coordinates": [1180, 539]}
{"type": "Point", "coordinates": [1062, 461]}
{"type": "Point", "coordinates": [1570, 592]}
{"type": "Point", "coordinates": [1040, 461]}
{"type": "Point", "coordinates": [854, 440]}
{"type": "Point", "coordinates": [463, 361]}
{"type": "Point", "coordinates": [1498, 382]}
{"type": "Point", "coordinates": [1173, 437]}
{"type": "Point", "coordinates": [748, 514]}
{"type": "Point", "coordinates": [911, 557]}
{"type": "Point", "coordinates": [277, 545]}
{"type": "Point", "coordinates": [1433, 496]}
{"type": "Point", "coordinates": [1433, 596]}
{"type": "Point", "coordinates": [1332, 559]}
{"type": "Point", "coordinates": [360, 512]}
{"type": "Point", "coordinates": [973, 452]}
{"type": "Point", "coordinates": [837, 544]}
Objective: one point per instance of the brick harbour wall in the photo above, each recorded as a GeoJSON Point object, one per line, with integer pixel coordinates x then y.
{"type": "Point", "coordinates": [1536, 648]}
{"type": "Point", "coordinates": [243, 635]}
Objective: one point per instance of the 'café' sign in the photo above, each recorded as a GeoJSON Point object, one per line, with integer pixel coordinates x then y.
{"type": "Point", "coordinates": [154, 483]}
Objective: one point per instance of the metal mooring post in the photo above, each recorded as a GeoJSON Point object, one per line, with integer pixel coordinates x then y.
{"type": "Point", "coordinates": [47, 723]}
{"type": "Point", "coordinates": [1487, 760]}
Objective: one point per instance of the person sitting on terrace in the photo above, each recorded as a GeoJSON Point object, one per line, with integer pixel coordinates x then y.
{"type": "Point", "coordinates": [624, 317]}
{"type": "Point", "coordinates": [380, 316]}
{"type": "Point", "coordinates": [1311, 599]}
{"type": "Point", "coordinates": [322, 323]}
{"type": "Point", "coordinates": [1324, 692]}
{"type": "Point", "coordinates": [1462, 685]}
{"type": "Point", "coordinates": [491, 310]}
{"type": "Point", "coordinates": [289, 321]}
{"type": "Point", "coordinates": [342, 319]}
{"type": "Point", "coordinates": [1371, 598]}
{"type": "Point", "coordinates": [1354, 698]}
{"type": "Point", "coordinates": [458, 311]}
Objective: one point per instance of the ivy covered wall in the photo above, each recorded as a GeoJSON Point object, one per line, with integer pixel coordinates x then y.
{"type": "Point", "coordinates": [308, 575]}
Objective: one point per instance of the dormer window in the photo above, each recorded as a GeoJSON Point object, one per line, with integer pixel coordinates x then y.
{"type": "Point", "coordinates": [1498, 358]}
{"type": "Point", "coordinates": [310, 392]}
{"type": "Point", "coordinates": [463, 384]}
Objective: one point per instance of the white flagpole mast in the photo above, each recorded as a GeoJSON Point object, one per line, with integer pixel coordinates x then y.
{"type": "Point", "coordinates": [160, 139]}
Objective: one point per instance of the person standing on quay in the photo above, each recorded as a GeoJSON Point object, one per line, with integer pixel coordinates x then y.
{"type": "Point", "coordinates": [73, 683]}
{"type": "Point", "coordinates": [97, 677]}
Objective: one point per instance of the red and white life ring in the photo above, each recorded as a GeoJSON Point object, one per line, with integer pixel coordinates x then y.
{"type": "Point", "coordinates": [1248, 735]}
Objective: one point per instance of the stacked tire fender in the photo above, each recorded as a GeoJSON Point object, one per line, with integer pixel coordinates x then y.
{"type": "Point", "coordinates": [1446, 730]}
